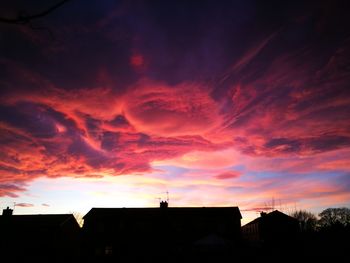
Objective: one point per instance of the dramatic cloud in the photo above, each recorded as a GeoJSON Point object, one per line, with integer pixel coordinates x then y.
{"type": "Point", "coordinates": [218, 97]}
{"type": "Point", "coordinates": [159, 109]}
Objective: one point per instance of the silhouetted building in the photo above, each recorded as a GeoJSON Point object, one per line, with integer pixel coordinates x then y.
{"type": "Point", "coordinates": [124, 233]}
{"type": "Point", "coordinates": [39, 238]}
{"type": "Point", "coordinates": [271, 228]}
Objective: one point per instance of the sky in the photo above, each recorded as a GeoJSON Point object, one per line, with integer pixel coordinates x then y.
{"type": "Point", "coordinates": [219, 103]}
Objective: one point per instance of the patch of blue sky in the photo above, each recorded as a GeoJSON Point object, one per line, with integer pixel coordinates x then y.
{"type": "Point", "coordinates": [170, 170]}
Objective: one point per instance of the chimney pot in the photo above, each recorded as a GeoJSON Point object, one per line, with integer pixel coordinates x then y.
{"type": "Point", "coordinates": [7, 212]}
{"type": "Point", "coordinates": [163, 204]}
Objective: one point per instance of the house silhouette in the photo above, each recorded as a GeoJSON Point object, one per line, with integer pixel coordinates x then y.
{"type": "Point", "coordinates": [39, 238]}
{"type": "Point", "coordinates": [271, 228]}
{"type": "Point", "coordinates": [155, 233]}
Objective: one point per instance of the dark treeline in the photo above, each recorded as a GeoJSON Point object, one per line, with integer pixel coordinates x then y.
{"type": "Point", "coordinates": [327, 236]}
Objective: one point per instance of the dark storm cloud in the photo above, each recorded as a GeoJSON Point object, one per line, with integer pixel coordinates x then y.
{"type": "Point", "coordinates": [29, 117]}
{"type": "Point", "coordinates": [289, 145]}
{"type": "Point", "coordinates": [119, 121]}
{"type": "Point", "coordinates": [79, 51]}
{"type": "Point", "coordinates": [109, 140]}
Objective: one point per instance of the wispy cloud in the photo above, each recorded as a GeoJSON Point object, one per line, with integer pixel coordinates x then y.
{"type": "Point", "coordinates": [24, 205]}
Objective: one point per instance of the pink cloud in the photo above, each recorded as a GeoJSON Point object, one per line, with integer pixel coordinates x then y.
{"type": "Point", "coordinates": [10, 188]}
{"type": "Point", "coordinates": [212, 158]}
{"type": "Point", "coordinates": [24, 205]}
{"type": "Point", "coordinates": [287, 112]}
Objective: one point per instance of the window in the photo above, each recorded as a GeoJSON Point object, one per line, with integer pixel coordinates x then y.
{"type": "Point", "coordinates": [108, 250]}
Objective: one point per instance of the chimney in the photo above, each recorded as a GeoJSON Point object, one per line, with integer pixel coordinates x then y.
{"type": "Point", "coordinates": [163, 204]}
{"type": "Point", "coordinates": [263, 214]}
{"type": "Point", "coordinates": [7, 212]}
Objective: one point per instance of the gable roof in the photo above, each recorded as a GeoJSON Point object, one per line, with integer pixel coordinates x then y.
{"type": "Point", "coordinates": [270, 215]}
{"type": "Point", "coordinates": [176, 211]}
{"type": "Point", "coordinates": [36, 221]}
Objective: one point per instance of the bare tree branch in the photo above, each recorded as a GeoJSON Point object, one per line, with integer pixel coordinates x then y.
{"type": "Point", "coordinates": [25, 19]}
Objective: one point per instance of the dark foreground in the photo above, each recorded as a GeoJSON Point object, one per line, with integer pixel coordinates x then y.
{"type": "Point", "coordinates": [312, 247]}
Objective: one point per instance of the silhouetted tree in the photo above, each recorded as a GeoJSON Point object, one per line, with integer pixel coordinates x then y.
{"type": "Point", "coordinates": [307, 220]}
{"type": "Point", "coordinates": [26, 19]}
{"type": "Point", "coordinates": [335, 216]}
{"type": "Point", "coordinates": [23, 19]}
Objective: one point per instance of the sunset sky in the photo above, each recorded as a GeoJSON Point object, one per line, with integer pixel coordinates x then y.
{"type": "Point", "coordinates": [220, 103]}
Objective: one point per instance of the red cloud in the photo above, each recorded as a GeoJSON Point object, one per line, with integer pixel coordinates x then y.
{"type": "Point", "coordinates": [42, 136]}
{"type": "Point", "coordinates": [281, 116]}
{"type": "Point", "coordinates": [162, 110]}
{"type": "Point", "coordinates": [137, 60]}
{"type": "Point", "coordinates": [228, 175]}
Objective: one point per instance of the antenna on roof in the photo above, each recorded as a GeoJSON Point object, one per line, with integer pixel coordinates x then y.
{"type": "Point", "coordinates": [14, 206]}
{"type": "Point", "coordinates": [280, 205]}
{"type": "Point", "coordinates": [167, 196]}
